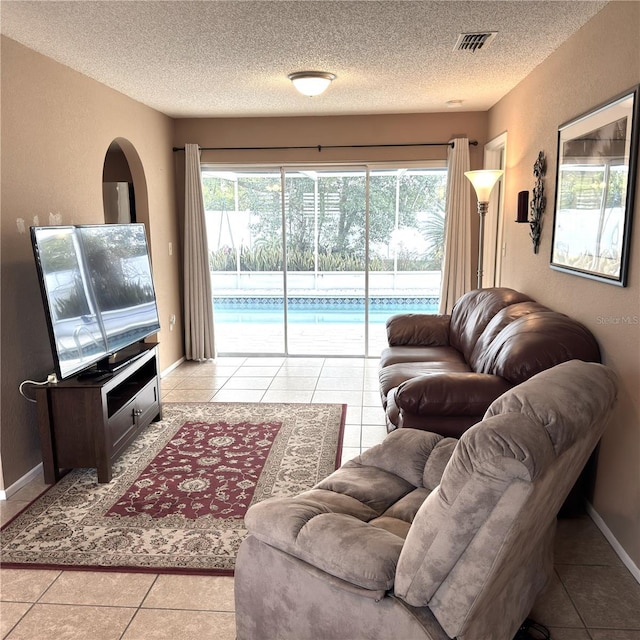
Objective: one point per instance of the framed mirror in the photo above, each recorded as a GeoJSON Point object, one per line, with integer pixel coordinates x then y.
{"type": "Point", "coordinates": [595, 191]}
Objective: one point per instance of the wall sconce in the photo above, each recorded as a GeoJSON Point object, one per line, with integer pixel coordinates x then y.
{"type": "Point", "coordinates": [483, 183]}
{"type": "Point", "coordinates": [538, 204]}
{"type": "Point", "coordinates": [523, 207]}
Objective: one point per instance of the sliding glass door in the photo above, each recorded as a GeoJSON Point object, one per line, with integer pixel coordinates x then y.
{"type": "Point", "coordinates": [406, 240]}
{"type": "Point", "coordinates": [313, 260]}
{"type": "Point", "coordinates": [246, 249]}
{"type": "Point", "coordinates": [325, 214]}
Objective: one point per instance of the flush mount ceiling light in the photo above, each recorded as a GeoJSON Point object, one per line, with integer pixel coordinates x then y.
{"type": "Point", "coordinates": [311, 83]}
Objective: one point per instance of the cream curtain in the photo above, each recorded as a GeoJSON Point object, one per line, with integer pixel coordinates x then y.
{"type": "Point", "coordinates": [456, 267]}
{"type": "Point", "coordinates": [198, 303]}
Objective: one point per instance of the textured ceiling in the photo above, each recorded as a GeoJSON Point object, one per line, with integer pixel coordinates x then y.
{"type": "Point", "coordinates": [216, 58]}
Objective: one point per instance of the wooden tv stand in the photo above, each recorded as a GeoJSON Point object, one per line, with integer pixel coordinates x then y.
{"type": "Point", "coordinates": [89, 422]}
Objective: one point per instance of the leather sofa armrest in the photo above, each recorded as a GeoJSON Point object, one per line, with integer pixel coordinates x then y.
{"type": "Point", "coordinates": [417, 329]}
{"type": "Point", "coordinates": [450, 393]}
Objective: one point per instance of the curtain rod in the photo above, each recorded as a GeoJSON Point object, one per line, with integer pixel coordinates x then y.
{"type": "Point", "coordinates": [320, 147]}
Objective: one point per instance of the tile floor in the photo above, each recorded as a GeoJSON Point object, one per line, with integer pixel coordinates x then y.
{"type": "Point", "coordinates": [592, 595]}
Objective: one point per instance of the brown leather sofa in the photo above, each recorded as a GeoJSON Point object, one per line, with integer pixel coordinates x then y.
{"type": "Point", "coordinates": [440, 373]}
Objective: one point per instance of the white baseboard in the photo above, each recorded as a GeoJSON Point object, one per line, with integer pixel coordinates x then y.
{"type": "Point", "coordinates": [617, 547]}
{"type": "Point", "coordinates": [22, 482]}
{"type": "Point", "coordinates": [175, 365]}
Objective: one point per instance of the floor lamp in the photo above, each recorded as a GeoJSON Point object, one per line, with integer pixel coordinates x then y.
{"type": "Point", "coordinates": [483, 182]}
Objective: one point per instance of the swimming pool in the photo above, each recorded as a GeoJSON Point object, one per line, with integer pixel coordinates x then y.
{"type": "Point", "coordinates": [317, 310]}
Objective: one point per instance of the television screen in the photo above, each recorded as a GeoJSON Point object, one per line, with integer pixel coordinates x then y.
{"type": "Point", "coordinates": [97, 287]}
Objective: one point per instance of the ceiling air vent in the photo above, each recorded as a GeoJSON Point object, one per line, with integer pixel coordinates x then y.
{"type": "Point", "coordinates": [474, 41]}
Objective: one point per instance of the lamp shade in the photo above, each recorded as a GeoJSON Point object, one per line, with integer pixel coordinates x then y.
{"type": "Point", "coordinates": [483, 182]}
{"type": "Point", "coordinates": [311, 83]}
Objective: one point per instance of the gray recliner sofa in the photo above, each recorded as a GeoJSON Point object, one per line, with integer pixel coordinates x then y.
{"type": "Point", "coordinates": [425, 536]}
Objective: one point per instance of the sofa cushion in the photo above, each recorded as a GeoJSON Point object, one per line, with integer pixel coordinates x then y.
{"type": "Point", "coordinates": [405, 355]}
{"type": "Point", "coordinates": [373, 486]}
{"type": "Point", "coordinates": [448, 426]}
{"type": "Point", "coordinates": [402, 454]}
{"type": "Point", "coordinates": [445, 360]}
{"type": "Point", "coordinates": [503, 318]}
{"type": "Point", "coordinates": [472, 313]}
{"type": "Point", "coordinates": [535, 342]}
{"type": "Point", "coordinates": [340, 503]}
{"type": "Point", "coordinates": [336, 543]}
{"type": "Point", "coordinates": [407, 507]}
{"type": "Point", "coordinates": [367, 504]}
{"type": "Point", "coordinates": [398, 517]}
{"type": "Point", "coordinates": [351, 550]}
{"type": "Point", "coordinates": [397, 526]}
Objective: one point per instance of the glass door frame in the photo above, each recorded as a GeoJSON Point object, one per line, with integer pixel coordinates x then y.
{"type": "Point", "coordinates": [283, 168]}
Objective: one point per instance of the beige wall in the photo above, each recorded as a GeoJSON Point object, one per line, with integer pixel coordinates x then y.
{"type": "Point", "coordinates": [332, 130]}
{"type": "Point", "coordinates": [56, 128]}
{"type": "Point", "coordinates": [599, 62]}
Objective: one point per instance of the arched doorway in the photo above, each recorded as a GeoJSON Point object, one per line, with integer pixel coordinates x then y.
{"type": "Point", "coordinates": [118, 194]}
{"type": "Point", "coordinates": [124, 185]}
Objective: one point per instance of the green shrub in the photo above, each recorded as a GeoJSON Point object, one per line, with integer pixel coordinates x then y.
{"type": "Point", "coordinates": [269, 258]}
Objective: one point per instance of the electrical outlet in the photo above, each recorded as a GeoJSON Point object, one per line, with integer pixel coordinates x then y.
{"type": "Point", "coordinates": [171, 248]}
{"type": "Point", "coordinates": [172, 321]}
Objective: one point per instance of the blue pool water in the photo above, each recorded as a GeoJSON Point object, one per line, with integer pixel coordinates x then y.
{"type": "Point", "coordinates": [320, 310]}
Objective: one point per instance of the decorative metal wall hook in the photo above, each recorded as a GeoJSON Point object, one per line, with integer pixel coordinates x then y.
{"type": "Point", "coordinates": [539, 201]}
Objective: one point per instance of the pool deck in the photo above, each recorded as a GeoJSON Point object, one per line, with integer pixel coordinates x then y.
{"type": "Point", "coordinates": [333, 339]}
{"type": "Point", "coordinates": [255, 330]}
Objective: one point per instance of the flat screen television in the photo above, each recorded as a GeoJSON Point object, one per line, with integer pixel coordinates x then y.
{"type": "Point", "coordinates": [99, 299]}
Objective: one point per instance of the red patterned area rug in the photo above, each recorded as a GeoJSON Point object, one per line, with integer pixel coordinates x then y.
{"type": "Point", "coordinates": [179, 493]}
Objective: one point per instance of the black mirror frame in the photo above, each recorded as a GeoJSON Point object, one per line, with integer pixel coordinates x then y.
{"type": "Point", "coordinates": [556, 263]}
